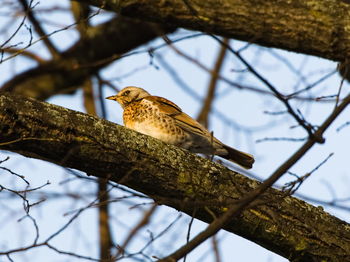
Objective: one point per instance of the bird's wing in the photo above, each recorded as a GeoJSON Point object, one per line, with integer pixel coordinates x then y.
{"type": "Point", "coordinates": [164, 105]}
{"type": "Point", "coordinates": [182, 119]}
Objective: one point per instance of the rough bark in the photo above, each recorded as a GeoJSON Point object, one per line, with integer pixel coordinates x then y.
{"type": "Point", "coordinates": [102, 45]}
{"type": "Point", "coordinates": [320, 28]}
{"type": "Point", "coordinates": [172, 176]}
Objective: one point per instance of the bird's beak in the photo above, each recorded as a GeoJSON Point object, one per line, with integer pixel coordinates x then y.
{"type": "Point", "coordinates": [112, 97]}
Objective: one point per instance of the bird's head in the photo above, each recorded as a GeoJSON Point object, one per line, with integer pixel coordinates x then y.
{"type": "Point", "coordinates": [128, 95]}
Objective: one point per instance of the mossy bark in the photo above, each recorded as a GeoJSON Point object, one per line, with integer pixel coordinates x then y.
{"type": "Point", "coordinates": [172, 176]}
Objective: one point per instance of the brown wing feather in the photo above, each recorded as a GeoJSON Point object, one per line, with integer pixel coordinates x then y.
{"type": "Point", "coordinates": [166, 106]}
{"type": "Point", "coordinates": [182, 119]}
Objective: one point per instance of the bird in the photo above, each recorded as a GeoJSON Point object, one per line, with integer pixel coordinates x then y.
{"type": "Point", "coordinates": [162, 119]}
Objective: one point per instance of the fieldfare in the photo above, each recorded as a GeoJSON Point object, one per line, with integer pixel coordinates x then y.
{"type": "Point", "coordinates": [160, 118]}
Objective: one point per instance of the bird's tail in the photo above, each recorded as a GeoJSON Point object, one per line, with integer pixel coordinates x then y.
{"type": "Point", "coordinates": [243, 159]}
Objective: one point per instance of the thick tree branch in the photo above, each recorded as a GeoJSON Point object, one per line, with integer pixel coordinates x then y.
{"type": "Point", "coordinates": [320, 28]}
{"type": "Point", "coordinates": [172, 176]}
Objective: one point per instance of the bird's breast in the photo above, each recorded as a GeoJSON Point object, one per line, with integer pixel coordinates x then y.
{"type": "Point", "coordinates": [147, 119]}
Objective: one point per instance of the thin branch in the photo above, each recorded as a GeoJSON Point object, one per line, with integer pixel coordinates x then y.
{"type": "Point", "coordinates": [203, 115]}
{"type": "Point", "coordinates": [312, 85]}
{"type": "Point", "coordinates": [32, 43]}
{"type": "Point", "coordinates": [25, 53]}
{"type": "Point", "coordinates": [37, 26]}
{"type": "Point", "coordinates": [308, 127]}
{"type": "Point", "coordinates": [143, 222]}
{"type": "Point", "coordinates": [293, 186]}
{"type": "Point", "coordinates": [343, 126]}
{"type": "Point", "coordinates": [11, 172]}
{"type": "Point", "coordinates": [289, 139]}
{"type": "Point", "coordinates": [17, 29]}
{"type": "Point", "coordinates": [189, 232]}
{"type": "Point", "coordinates": [224, 79]}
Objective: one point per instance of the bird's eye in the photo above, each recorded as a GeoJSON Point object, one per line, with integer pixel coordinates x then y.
{"type": "Point", "coordinates": [127, 92]}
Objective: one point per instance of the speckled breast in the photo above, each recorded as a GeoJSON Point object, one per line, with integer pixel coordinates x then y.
{"type": "Point", "coordinates": [145, 117]}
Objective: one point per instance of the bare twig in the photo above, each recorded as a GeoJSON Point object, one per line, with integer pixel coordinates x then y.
{"type": "Point", "coordinates": [25, 53]}
{"type": "Point", "coordinates": [343, 126]}
{"type": "Point", "coordinates": [11, 172]}
{"type": "Point", "coordinates": [189, 232]}
{"type": "Point", "coordinates": [289, 139]}
{"type": "Point", "coordinates": [42, 37]}
{"type": "Point", "coordinates": [228, 81]}
{"type": "Point", "coordinates": [22, 23]}
{"type": "Point", "coordinates": [293, 186]}
{"type": "Point", "coordinates": [312, 85]}
{"type": "Point", "coordinates": [307, 126]}
{"type": "Point", "coordinates": [29, 12]}
{"type": "Point", "coordinates": [143, 222]}
{"type": "Point", "coordinates": [339, 92]}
